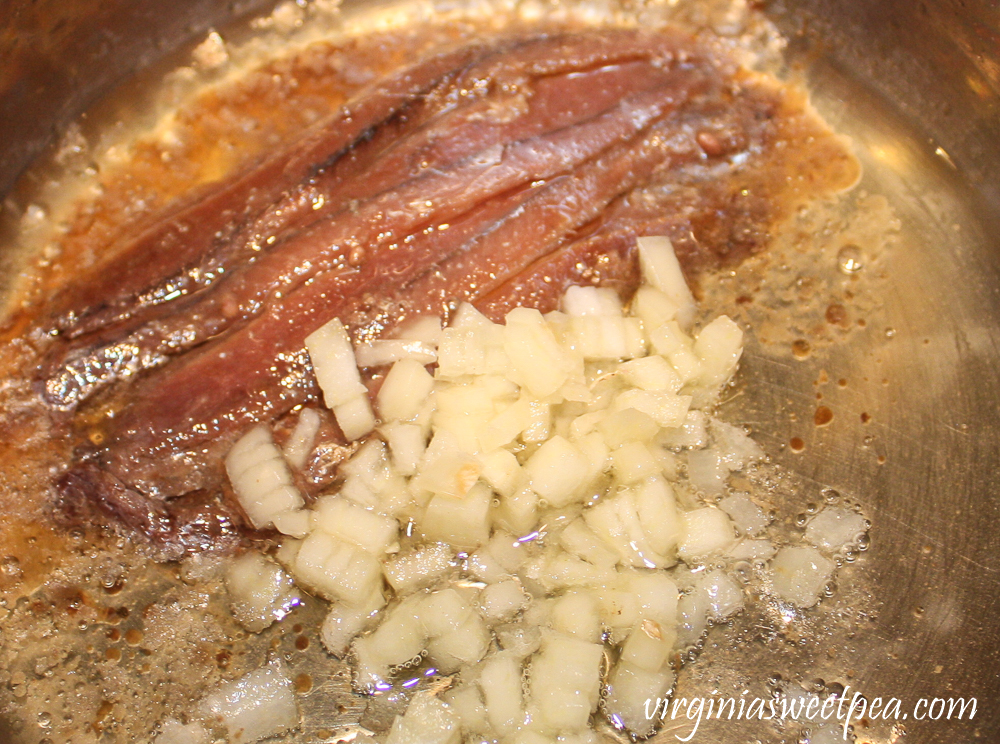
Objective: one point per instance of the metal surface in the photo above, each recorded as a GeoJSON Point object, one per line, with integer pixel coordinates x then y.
{"type": "Point", "coordinates": [917, 87]}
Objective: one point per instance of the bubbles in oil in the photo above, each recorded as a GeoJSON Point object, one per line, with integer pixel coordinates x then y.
{"type": "Point", "coordinates": [850, 259]}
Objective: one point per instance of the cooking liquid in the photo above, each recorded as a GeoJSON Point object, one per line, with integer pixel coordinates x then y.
{"type": "Point", "coordinates": [73, 599]}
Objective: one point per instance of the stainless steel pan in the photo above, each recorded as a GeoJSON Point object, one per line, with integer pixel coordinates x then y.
{"type": "Point", "coordinates": [916, 84]}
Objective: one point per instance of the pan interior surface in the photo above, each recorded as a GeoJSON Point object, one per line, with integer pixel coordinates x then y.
{"type": "Point", "coordinates": [911, 376]}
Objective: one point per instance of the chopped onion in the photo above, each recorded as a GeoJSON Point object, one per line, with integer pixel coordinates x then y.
{"type": "Point", "coordinates": [259, 591]}
{"type": "Point", "coordinates": [258, 705]}
{"type": "Point", "coordinates": [173, 731]}
{"type": "Point", "coordinates": [386, 351]}
{"type": "Point", "coordinates": [523, 492]}
{"type": "Point", "coordinates": [799, 575]}
{"type": "Point", "coordinates": [261, 478]}
{"type": "Point", "coordinates": [662, 270]}
{"type": "Point", "coordinates": [835, 528]}
{"type": "Point", "coordinates": [300, 443]}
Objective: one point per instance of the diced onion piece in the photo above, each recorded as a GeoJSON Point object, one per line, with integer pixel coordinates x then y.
{"type": "Point", "coordinates": [670, 341]}
{"type": "Point", "coordinates": [407, 445]}
{"type": "Point", "coordinates": [579, 540]}
{"type": "Point", "coordinates": [799, 574]}
{"type": "Point", "coordinates": [351, 523]}
{"type": "Point", "coordinates": [404, 391]}
{"type": "Point", "coordinates": [596, 337]}
{"type": "Point", "coordinates": [666, 409]}
{"type": "Point", "coordinates": [467, 702]}
{"type": "Point", "coordinates": [749, 518]}
{"type": "Point", "coordinates": [750, 550]}
{"type": "Point", "coordinates": [293, 522]}
{"type": "Point", "coordinates": [472, 345]}
{"type": "Point", "coordinates": [632, 462]}
{"type": "Point", "coordinates": [631, 689]}
{"type": "Point", "coordinates": [502, 471]}
{"type": "Point", "coordinates": [651, 373]}
{"type": "Point", "coordinates": [426, 329]}
{"type": "Point", "coordinates": [500, 602]}
{"type": "Point", "coordinates": [577, 614]}
{"type": "Point", "coordinates": [661, 269]}
{"type": "Point", "coordinates": [461, 522]}
{"type": "Point", "coordinates": [173, 731]}
{"type": "Point", "coordinates": [336, 568]}
{"type": "Point", "coordinates": [260, 477]}
{"type": "Point", "coordinates": [537, 361]}
{"type": "Point", "coordinates": [517, 513]}
{"type": "Point", "coordinates": [580, 301]}
{"type": "Point", "coordinates": [258, 705]}
{"type": "Point", "coordinates": [835, 528]}
{"type": "Point", "coordinates": [406, 572]}
{"type": "Point", "coordinates": [427, 721]}
{"type": "Point", "coordinates": [705, 532]}
{"type": "Point", "coordinates": [355, 417]}
{"type": "Point", "coordinates": [385, 351]}
{"type": "Point", "coordinates": [657, 509]}
{"type": "Point", "coordinates": [565, 678]}
{"type": "Point", "coordinates": [259, 591]}
{"type": "Point", "coordinates": [693, 433]}
{"type": "Point", "coordinates": [648, 646]}
{"type": "Point", "coordinates": [718, 346]}
{"type": "Point", "coordinates": [556, 470]}
{"type": "Point", "coordinates": [707, 472]}
{"type": "Point", "coordinates": [446, 468]}
{"type": "Point", "coordinates": [723, 596]}
{"type": "Point", "coordinates": [344, 621]}
{"type": "Point", "coordinates": [300, 443]}
{"type": "Point", "coordinates": [334, 364]}
{"type": "Point", "coordinates": [399, 639]}
{"type": "Point", "coordinates": [653, 307]}
{"type": "Point", "coordinates": [500, 682]}
{"type": "Point", "coordinates": [627, 425]}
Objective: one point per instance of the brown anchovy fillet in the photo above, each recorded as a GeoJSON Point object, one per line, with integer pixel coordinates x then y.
{"type": "Point", "coordinates": [498, 174]}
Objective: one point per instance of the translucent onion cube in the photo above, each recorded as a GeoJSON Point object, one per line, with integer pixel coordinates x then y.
{"type": "Point", "coordinates": [355, 417]}
{"type": "Point", "coordinates": [631, 690]}
{"type": "Point", "coordinates": [705, 532]}
{"type": "Point", "coordinates": [500, 682]}
{"type": "Point", "coordinates": [651, 373]}
{"type": "Point", "coordinates": [718, 346]}
{"type": "Point", "coordinates": [565, 678]}
{"type": "Point", "coordinates": [577, 614]}
{"type": "Point", "coordinates": [258, 705]}
{"type": "Point", "coordinates": [835, 528]}
{"type": "Point", "coordinates": [580, 301]}
{"type": "Point", "coordinates": [404, 391]}
{"type": "Point", "coordinates": [556, 470]}
{"type": "Point", "coordinates": [537, 360]}
{"type": "Point", "coordinates": [662, 270]}
{"type": "Point", "coordinates": [259, 591]}
{"type": "Point", "coordinates": [365, 528]}
{"type": "Point", "coordinates": [463, 523]}
{"type": "Point", "coordinates": [749, 518]}
{"type": "Point", "coordinates": [173, 731]}
{"type": "Point", "coordinates": [336, 568]}
{"type": "Point", "coordinates": [800, 575]}
{"type": "Point", "coordinates": [653, 307]}
{"type": "Point", "coordinates": [344, 621]}
{"type": "Point", "coordinates": [665, 408]}
{"type": "Point", "coordinates": [417, 568]}
{"type": "Point", "coordinates": [427, 721]}
{"type": "Point", "coordinates": [261, 478]}
{"type": "Point", "coordinates": [334, 364]}
{"type": "Point", "coordinates": [501, 601]}
{"type": "Point", "coordinates": [648, 645]}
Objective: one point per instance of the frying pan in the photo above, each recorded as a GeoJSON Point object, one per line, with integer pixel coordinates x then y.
{"type": "Point", "coordinates": [915, 438]}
